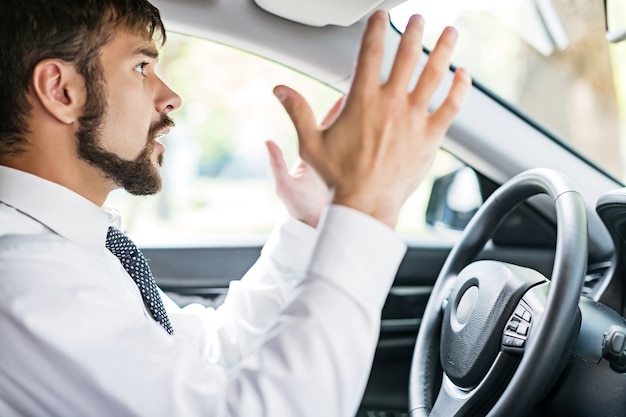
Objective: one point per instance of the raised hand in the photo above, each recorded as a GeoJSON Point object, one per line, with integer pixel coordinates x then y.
{"type": "Point", "coordinates": [302, 190]}
{"type": "Point", "coordinates": [376, 149]}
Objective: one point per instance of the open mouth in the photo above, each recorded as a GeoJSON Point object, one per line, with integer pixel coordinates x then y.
{"type": "Point", "coordinates": [162, 134]}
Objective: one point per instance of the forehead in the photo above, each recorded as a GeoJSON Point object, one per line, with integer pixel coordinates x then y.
{"type": "Point", "coordinates": [125, 46]}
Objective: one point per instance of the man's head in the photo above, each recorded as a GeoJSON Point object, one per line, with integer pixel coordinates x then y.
{"type": "Point", "coordinates": [103, 44]}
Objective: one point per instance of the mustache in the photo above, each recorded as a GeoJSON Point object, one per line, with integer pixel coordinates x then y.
{"type": "Point", "coordinates": [164, 122]}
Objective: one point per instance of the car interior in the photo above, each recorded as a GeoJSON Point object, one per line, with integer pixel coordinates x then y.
{"type": "Point", "coordinates": [513, 302]}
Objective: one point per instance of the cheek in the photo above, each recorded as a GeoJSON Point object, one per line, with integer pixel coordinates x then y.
{"type": "Point", "coordinates": [128, 122]}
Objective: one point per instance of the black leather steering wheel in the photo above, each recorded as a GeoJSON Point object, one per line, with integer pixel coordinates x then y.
{"type": "Point", "coordinates": [494, 336]}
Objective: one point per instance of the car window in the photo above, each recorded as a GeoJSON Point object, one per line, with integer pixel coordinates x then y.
{"type": "Point", "coordinates": [548, 59]}
{"type": "Point", "coordinates": [218, 187]}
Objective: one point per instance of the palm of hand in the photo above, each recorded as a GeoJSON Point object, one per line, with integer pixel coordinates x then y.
{"type": "Point", "coordinates": [302, 190]}
{"type": "Point", "coordinates": [376, 147]}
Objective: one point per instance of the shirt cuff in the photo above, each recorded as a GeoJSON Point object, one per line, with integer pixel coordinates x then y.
{"type": "Point", "coordinates": [357, 253]}
{"type": "Point", "coordinates": [290, 244]}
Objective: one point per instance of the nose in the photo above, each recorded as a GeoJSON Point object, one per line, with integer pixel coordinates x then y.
{"type": "Point", "coordinates": [167, 100]}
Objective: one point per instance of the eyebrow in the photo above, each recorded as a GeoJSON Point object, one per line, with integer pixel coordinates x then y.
{"type": "Point", "coordinates": [149, 52]}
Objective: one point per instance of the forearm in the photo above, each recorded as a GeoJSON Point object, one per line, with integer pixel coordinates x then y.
{"type": "Point", "coordinates": [229, 333]}
{"type": "Point", "coordinates": [326, 338]}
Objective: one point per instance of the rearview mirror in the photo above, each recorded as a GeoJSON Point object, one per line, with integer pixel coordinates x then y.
{"type": "Point", "coordinates": [615, 20]}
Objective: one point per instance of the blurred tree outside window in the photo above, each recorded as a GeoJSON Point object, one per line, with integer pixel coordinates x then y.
{"type": "Point", "coordinates": [576, 93]}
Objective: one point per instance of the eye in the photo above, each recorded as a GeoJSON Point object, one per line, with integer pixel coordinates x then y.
{"type": "Point", "coordinates": [141, 68]}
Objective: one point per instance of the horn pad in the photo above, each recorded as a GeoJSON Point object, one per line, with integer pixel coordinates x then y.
{"type": "Point", "coordinates": [482, 300]}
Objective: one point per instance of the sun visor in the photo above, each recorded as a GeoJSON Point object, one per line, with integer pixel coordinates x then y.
{"type": "Point", "coordinates": [320, 12]}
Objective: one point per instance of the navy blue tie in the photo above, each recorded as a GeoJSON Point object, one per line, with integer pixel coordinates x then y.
{"type": "Point", "coordinates": [135, 264]}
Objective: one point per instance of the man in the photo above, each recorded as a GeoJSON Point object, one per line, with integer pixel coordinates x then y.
{"type": "Point", "coordinates": [83, 331]}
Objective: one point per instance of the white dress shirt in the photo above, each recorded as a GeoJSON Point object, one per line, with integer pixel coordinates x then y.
{"type": "Point", "coordinates": [295, 337]}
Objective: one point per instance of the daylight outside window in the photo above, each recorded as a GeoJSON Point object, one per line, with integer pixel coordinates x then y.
{"type": "Point", "coordinates": [218, 187]}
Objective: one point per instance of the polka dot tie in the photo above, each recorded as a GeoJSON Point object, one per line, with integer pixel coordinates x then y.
{"type": "Point", "coordinates": [135, 264]}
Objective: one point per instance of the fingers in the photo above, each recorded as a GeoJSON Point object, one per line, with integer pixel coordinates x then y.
{"type": "Point", "coordinates": [408, 54]}
{"type": "Point", "coordinates": [301, 115]}
{"type": "Point", "coordinates": [370, 57]}
{"type": "Point", "coordinates": [277, 162]}
{"type": "Point", "coordinates": [436, 67]}
{"type": "Point", "coordinates": [442, 117]}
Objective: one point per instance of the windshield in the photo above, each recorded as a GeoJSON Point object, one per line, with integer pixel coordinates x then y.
{"type": "Point", "coordinates": [549, 59]}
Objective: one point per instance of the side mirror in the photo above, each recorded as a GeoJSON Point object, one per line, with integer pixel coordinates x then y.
{"type": "Point", "coordinates": [454, 199]}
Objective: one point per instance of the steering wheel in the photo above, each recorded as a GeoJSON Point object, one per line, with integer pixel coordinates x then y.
{"type": "Point", "coordinates": [494, 336]}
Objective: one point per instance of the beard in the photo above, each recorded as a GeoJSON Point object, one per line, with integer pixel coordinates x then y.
{"type": "Point", "coordinates": [139, 176]}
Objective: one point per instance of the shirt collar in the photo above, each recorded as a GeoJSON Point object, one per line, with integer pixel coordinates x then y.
{"type": "Point", "coordinates": [56, 207]}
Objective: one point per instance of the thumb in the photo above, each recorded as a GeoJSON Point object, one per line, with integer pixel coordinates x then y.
{"type": "Point", "coordinates": [301, 116]}
{"type": "Point", "coordinates": [333, 113]}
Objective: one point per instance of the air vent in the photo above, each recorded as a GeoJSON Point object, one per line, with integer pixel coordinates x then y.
{"type": "Point", "coordinates": [595, 279]}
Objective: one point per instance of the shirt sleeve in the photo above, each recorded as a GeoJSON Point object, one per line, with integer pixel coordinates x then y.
{"type": "Point", "coordinates": [253, 304]}
{"type": "Point", "coordinates": [73, 345]}
{"type": "Point", "coordinates": [326, 338]}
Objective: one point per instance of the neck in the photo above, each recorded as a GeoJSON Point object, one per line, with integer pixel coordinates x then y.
{"type": "Point", "coordinates": [50, 160]}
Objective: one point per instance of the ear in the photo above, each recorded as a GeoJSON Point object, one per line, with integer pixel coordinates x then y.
{"type": "Point", "coordinates": [59, 89]}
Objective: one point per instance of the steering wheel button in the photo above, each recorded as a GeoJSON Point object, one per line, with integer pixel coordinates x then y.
{"type": "Point", "coordinates": [518, 342]}
{"type": "Point", "coordinates": [513, 324]}
{"type": "Point", "coordinates": [617, 342]}
{"type": "Point", "coordinates": [522, 329]}
{"type": "Point", "coordinates": [526, 316]}
{"type": "Point", "coordinates": [511, 341]}
{"type": "Point", "coordinates": [520, 311]}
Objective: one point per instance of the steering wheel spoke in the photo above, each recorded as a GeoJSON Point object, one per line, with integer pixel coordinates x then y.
{"type": "Point", "coordinates": [456, 401]}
